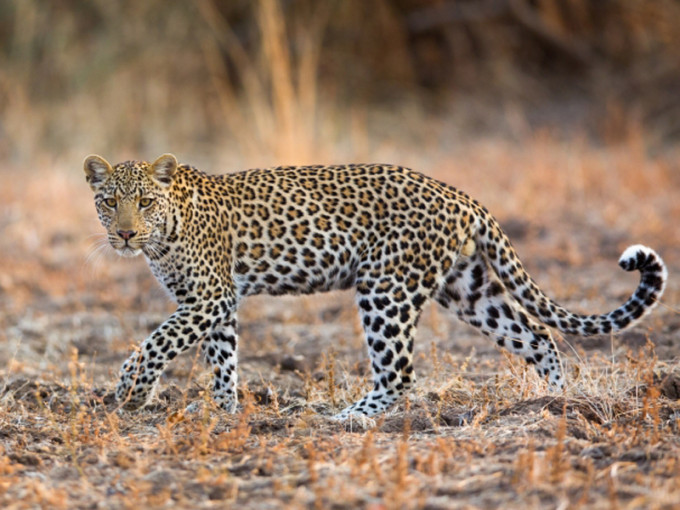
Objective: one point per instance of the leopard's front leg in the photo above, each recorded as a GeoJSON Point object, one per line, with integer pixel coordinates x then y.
{"type": "Point", "coordinates": [221, 351]}
{"type": "Point", "coordinates": [139, 374]}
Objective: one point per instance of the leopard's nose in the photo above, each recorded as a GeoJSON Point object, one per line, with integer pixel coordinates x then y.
{"type": "Point", "coordinates": [126, 234]}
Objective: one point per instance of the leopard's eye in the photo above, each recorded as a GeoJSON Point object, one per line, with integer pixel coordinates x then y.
{"type": "Point", "coordinates": [145, 202]}
{"type": "Point", "coordinates": [110, 202]}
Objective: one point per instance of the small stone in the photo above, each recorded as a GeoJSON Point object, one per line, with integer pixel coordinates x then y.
{"type": "Point", "coordinates": [670, 388]}
{"type": "Point", "coordinates": [292, 363]}
{"type": "Point", "coordinates": [27, 459]}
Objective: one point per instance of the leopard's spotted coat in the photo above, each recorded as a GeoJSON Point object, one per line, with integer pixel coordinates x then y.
{"type": "Point", "coordinates": [400, 238]}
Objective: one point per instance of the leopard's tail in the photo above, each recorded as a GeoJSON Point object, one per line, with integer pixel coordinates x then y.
{"type": "Point", "coordinates": [505, 262]}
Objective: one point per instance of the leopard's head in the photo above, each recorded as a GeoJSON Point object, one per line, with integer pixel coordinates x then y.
{"type": "Point", "coordinates": [132, 200]}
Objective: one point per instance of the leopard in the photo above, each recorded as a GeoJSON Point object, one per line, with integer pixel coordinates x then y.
{"type": "Point", "coordinates": [397, 236]}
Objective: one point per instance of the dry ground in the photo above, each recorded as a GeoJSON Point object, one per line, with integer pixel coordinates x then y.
{"type": "Point", "coordinates": [479, 431]}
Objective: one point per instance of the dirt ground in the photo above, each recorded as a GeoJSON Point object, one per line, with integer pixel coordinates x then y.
{"type": "Point", "coordinates": [479, 431]}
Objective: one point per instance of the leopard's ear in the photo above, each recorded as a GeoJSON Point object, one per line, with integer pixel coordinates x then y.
{"type": "Point", "coordinates": [97, 170]}
{"type": "Point", "coordinates": [163, 169]}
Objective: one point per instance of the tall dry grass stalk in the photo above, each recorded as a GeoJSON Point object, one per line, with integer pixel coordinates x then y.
{"type": "Point", "coordinates": [281, 90]}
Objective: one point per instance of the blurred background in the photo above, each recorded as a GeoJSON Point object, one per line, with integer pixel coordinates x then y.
{"type": "Point", "coordinates": [561, 116]}
{"type": "Point", "coordinates": [251, 83]}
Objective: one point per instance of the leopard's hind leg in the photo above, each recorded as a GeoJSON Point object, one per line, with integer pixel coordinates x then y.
{"type": "Point", "coordinates": [389, 309]}
{"type": "Point", "coordinates": [481, 300]}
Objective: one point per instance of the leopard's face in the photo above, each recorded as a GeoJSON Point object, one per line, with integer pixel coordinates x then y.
{"type": "Point", "coordinates": [132, 208]}
{"type": "Point", "coordinates": [132, 201]}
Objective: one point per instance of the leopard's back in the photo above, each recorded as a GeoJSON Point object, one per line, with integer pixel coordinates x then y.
{"type": "Point", "coordinates": [311, 229]}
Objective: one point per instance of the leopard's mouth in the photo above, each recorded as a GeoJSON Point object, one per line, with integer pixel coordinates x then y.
{"type": "Point", "coordinates": [128, 251]}
{"type": "Point", "coordinates": [126, 248]}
